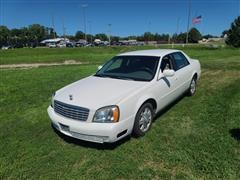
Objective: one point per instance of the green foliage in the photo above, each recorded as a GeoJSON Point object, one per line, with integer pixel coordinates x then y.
{"type": "Point", "coordinates": [194, 35]}
{"type": "Point", "coordinates": [181, 38]}
{"type": "Point", "coordinates": [233, 34]}
{"type": "Point", "coordinates": [101, 36]}
{"type": "Point", "coordinates": [4, 35]}
{"type": "Point", "coordinates": [79, 35]}
{"type": "Point", "coordinates": [34, 33]}
{"type": "Point", "coordinates": [207, 36]}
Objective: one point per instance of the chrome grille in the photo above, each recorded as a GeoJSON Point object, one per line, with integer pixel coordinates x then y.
{"type": "Point", "coordinates": [71, 111]}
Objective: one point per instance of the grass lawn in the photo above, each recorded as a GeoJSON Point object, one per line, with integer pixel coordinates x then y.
{"type": "Point", "coordinates": [98, 55]}
{"type": "Point", "coordinates": [196, 138]}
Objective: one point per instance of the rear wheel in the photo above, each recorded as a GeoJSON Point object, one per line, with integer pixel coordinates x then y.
{"type": "Point", "coordinates": [192, 88]}
{"type": "Point", "coordinates": [143, 120]}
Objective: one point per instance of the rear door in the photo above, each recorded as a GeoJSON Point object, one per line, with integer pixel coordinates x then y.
{"type": "Point", "coordinates": [182, 70]}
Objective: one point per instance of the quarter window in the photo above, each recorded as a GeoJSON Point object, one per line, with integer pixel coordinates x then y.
{"type": "Point", "coordinates": [179, 61]}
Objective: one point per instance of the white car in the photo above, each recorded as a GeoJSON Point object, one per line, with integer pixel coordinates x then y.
{"type": "Point", "coordinates": [52, 45]}
{"type": "Point", "coordinates": [124, 95]}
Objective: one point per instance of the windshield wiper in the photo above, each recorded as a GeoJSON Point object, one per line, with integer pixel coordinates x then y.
{"type": "Point", "coordinates": [124, 78]}
{"type": "Point", "coordinates": [101, 75]}
{"type": "Point", "coordinates": [114, 77]}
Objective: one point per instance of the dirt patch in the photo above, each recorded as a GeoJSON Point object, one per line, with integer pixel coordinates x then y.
{"type": "Point", "coordinates": [36, 65]}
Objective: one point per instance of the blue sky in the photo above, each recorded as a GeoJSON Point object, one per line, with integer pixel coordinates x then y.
{"type": "Point", "coordinates": [128, 17]}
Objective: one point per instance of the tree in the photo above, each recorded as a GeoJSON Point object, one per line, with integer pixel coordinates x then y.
{"type": "Point", "coordinates": [194, 35]}
{"type": "Point", "coordinates": [148, 36]}
{"type": "Point", "coordinates": [181, 38]}
{"type": "Point", "coordinates": [225, 32]}
{"type": "Point", "coordinates": [115, 38]}
{"type": "Point", "coordinates": [4, 35]}
{"type": "Point", "coordinates": [79, 35]}
{"type": "Point", "coordinates": [36, 33]}
{"type": "Point", "coordinates": [233, 34]}
{"type": "Point", "coordinates": [207, 36]}
{"type": "Point", "coordinates": [52, 33]}
{"type": "Point", "coordinates": [101, 36]}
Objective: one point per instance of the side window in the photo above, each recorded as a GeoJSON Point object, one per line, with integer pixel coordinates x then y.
{"type": "Point", "coordinates": [179, 61]}
{"type": "Point", "coordinates": [166, 63]}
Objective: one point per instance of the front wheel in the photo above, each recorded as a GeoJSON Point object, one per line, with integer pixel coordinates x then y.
{"type": "Point", "coordinates": [192, 88]}
{"type": "Point", "coordinates": [143, 120]}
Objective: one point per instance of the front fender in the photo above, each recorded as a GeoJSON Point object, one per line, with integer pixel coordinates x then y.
{"type": "Point", "coordinates": [142, 100]}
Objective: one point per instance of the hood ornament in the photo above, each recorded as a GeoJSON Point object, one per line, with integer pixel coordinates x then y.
{"type": "Point", "coordinates": [70, 97]}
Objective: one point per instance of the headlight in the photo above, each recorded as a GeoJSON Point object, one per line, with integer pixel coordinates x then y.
{"type": "Point", "coordinates": [109, 114]}
{"type": "Point", "coordinates": [52, 100]}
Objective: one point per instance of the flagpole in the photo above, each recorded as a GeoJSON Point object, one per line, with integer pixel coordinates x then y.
{"type": "Point", "coordinates": [188, 24]}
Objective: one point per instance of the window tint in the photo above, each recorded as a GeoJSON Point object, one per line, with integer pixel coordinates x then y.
{"type": "Point", "coordinates": [166, 63]}
{"type": "Point", "coordinates": [115, 65]}
{"type": "Point", "coordinates": [139, 68]}
{"type": "Point", "coordinates": [180, 61]}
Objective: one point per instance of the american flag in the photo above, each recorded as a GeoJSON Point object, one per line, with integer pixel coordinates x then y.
{"type": "Point", "coordinates": [197, 19]}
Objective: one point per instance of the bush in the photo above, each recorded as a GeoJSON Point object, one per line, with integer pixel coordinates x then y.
{"type": "Point", "coordinates": [194, 35]}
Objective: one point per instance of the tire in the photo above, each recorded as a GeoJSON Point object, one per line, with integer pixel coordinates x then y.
{"type": "Point", "coordinates": [143, 120]}
{"type": "Point", "coordinates": [193, 87]}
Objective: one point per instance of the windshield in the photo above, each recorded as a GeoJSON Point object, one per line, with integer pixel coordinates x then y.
{"type": "Point", "coordinates": [138, 68]}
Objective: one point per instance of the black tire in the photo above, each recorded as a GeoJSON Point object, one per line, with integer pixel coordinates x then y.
{"type": "Point", "coordinates": [192, 87]}
{"type": "Point", "coordinates": [145, 112]}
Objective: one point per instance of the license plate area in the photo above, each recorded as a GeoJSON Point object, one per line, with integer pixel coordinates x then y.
{"type": "Point", "coordinates": [64, 127]}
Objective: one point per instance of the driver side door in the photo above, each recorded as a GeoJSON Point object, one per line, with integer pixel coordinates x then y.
{"type": "Point", "coordinates": [165, 86]}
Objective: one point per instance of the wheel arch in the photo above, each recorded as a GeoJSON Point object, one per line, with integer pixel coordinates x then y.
{"type": "Point", "coordinates": [144, 100]}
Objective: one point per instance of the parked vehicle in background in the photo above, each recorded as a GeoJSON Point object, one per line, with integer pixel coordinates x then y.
{"type": "Point", "coordinates": [70, 45]}
{"type": "Point", "coordinates": [52, 45]}
{"type": "Point", "coordinates": [62, 45]}
{"type": "Point", "coordinates": [89, 45]}
{"type": "Point", "coordinates": [18, 45]}
{"type": "Point", "coordinates": [7, 47]}
{"type": "Point", "coordinates": [124, 95]}
{"type": "Point", "coordinates": [81, 43]}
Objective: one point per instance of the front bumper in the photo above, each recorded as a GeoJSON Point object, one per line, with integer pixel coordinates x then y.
{"type": "Point", "coordinates": [90, 131]}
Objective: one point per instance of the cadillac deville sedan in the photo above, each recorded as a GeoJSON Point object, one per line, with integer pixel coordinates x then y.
{"type": "Point", "coordinates": [124, 95]}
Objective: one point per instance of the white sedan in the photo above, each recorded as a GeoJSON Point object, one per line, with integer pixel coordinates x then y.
{"type": "Point", "coordinates": [124, 95]}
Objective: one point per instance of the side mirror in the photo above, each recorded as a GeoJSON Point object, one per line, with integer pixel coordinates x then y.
{"type": "Point", "coordinates": [168, 73]}
{"type": "Point", "coordinates": [100, 67]}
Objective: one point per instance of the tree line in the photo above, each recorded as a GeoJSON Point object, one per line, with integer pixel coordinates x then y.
{"type": "Point", "coordinates": [35, 33]}
{"type": "Point", "coordinates": [25, 36]}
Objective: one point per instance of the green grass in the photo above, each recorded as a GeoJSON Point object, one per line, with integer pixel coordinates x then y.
{"type": "Point", "coordinates": [100, 55]}
{"type": "Point", "coordinates": [191, 140]}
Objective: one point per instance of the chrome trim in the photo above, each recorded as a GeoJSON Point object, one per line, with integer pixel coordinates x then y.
{"type": "Point", "coordinates": [71, 111]}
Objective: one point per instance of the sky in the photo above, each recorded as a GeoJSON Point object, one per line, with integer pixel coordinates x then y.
{"type": "Point", "coordinates": [127, 17]}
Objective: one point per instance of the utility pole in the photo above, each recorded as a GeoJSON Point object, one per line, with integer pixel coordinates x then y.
{"type": "Point", "coordinates": [90, 31]}
{"type": "Point", "coordinates": [64, 29]}
{"type": "Point", "coordinates": [174, 39]}
{"type": "Point", "coordinates": [189, 16]}
{"type": "Point", "coordinates": [109, 34]}
{"type": "Point", "coordinates": [84, 6]}
{"type": "Point", "coordinates": [178, 21]}
{"type": "Point", "coordinates": [53, 26]}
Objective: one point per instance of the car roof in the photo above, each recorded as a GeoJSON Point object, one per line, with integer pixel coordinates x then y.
{"type": "Point", "coordinates": [152, 52]}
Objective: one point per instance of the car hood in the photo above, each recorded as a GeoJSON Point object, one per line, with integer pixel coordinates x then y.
{"type": "Point", "coordinates": [96, 92]}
